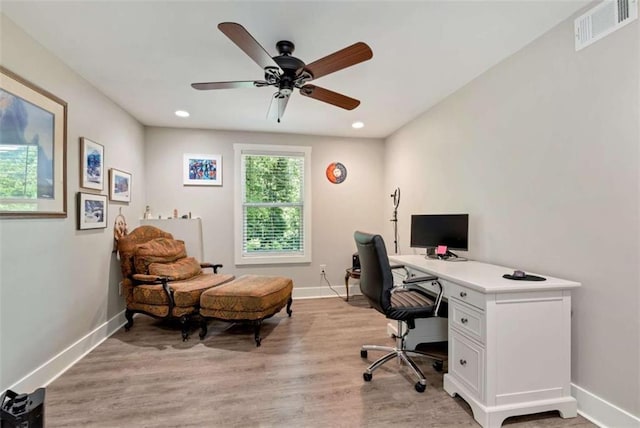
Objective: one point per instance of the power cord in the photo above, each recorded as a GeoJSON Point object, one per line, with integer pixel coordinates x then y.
{"type": "Point", "coordinates": [323, 275]}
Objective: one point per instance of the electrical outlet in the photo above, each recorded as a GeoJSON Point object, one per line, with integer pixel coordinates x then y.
{"type": "Point", "coordinates": [322, 269]}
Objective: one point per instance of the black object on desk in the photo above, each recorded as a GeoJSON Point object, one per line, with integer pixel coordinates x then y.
{"type": "Point", "coordinates": [519, 275]}
{"type": "Point", "coordinates": [355, 265]}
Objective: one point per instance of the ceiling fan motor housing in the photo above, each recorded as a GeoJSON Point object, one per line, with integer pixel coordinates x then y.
{"type": "Point", "coordinates": [290, 65]}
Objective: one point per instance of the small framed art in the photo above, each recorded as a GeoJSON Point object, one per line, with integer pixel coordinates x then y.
{"type": "Point", "coordinates": [91, 164]}
{"type": "Point", "coordinates": [119, 185]}
{"type": "Point", "coordinates": [92, 211]}
{"type": "Point", "coordinates": [202, 170]}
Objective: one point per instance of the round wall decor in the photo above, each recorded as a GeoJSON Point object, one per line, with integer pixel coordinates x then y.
{"type": "Point", "coordinates": [336, 172]}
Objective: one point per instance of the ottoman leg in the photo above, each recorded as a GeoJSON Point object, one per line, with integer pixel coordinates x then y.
{"type": "Point", "coordinates": [256, 332]}
{"type": "Point", "coordinates": [289, 311]}
{"type": "Point", "coordinates": [203, 328]}
{"type": "Point", "coordinates": [184, 322]}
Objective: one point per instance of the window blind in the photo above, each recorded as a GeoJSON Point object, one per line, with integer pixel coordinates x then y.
{"type": "Point", "coordinates": [272, 203]}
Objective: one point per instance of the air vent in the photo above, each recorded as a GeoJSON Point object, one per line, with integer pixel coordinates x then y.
{"type": "Point", "coordinates": [604, 19]}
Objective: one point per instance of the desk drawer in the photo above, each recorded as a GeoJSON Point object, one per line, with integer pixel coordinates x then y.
{"type": "Point", "coordinates": [464, 294]}
{"type": "Point", "coordinates": [466, 362]}
{"type": "Point", "coordinates": [467, 319]}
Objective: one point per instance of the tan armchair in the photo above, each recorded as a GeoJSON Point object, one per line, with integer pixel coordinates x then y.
{"type": "Point", "coordinates": [160, 280]}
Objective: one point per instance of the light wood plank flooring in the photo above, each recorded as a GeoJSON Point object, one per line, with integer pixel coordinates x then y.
{"type": "Point", "coordinates": [307, 373]}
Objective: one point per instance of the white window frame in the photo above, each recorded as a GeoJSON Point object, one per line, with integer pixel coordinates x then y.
{"type": "Point", "coordinates": [270, 150]}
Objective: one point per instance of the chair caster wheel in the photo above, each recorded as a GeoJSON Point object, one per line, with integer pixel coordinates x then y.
{"type": "Point", "coordinates": [367, 376]}
{"type": "Point", "coordinates": [420, 387]}
{"type": "Point", "coordinates": [437, 366]}
{"type": "Point", "coordinates": [363, 353]}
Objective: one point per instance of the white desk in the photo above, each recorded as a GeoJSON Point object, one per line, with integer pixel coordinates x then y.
{"type": "Point", "coordinates": [509, 341]}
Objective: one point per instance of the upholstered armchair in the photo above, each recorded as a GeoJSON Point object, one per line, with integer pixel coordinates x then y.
{"type": "Point", "coordinates": [160, 280]}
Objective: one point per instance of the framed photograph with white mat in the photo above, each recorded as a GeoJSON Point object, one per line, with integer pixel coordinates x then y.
{"type": "Point", "coordinates": [91, 164]}
{"type": "Point", "coordinates": [92, 211]}
{"type": "Point", "coordinates": [202, 170]}
{"type": "Point", "coordinates": [119, 185]}
{"type": "Point", "coordinates": [33, 144]}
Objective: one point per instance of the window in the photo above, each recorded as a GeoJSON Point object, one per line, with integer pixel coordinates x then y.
{"type": "Point", "coordinates": [273, 204]}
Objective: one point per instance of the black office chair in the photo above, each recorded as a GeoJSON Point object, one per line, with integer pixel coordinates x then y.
{"type": "Point", "coordinates": [401, 303]}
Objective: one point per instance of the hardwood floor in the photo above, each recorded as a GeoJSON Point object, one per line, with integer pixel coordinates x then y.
{"type": "Point", "coordinates": [307, 373]}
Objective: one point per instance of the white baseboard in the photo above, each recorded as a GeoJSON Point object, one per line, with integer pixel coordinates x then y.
{"type": "Point", "coordinates": [601, 412]}
{"type": "Point", "coordinates": [324, 291]}
{"type": "Point", "coordinates": [57, 365]}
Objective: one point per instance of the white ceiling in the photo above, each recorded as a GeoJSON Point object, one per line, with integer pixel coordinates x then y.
{"type": "Point", "coordinates": [145, 54]}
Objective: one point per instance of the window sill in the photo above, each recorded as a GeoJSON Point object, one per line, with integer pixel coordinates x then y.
{"type": "Point", "coordinates": [271, 260]}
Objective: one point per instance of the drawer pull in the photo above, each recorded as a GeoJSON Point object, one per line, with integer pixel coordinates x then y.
{"type": "Point", "coordinates": [464, 320]}
{"type": "Point", "coordinates": [463, 362]}
{"type": "Point", "coordinates": [463, 294]}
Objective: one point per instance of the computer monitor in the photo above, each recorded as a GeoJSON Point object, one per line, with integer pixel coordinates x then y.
{"type": "Point", "coordinates": [433, 230]}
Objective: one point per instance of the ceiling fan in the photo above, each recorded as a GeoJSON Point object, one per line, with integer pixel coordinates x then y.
{"type": "Point", "coordinates": [286, 72]}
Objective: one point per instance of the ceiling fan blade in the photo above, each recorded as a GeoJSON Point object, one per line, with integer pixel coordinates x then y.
{"type": "Point", "coordinates": [280, 101]}
{"type": "Point", "coordinates": [226, 85]}
{"type": "Point", "coordinates": [283, 100]}
{"type": "Point", "coordinates": [245, 41]}
{"type": "Point", "coordinates": [351, 55]}
{"type": "Point", "coordinates": [327, 96]}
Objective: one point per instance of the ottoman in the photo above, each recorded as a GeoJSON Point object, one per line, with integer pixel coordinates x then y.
{"type": "Point", "coordinates": [248, 299]}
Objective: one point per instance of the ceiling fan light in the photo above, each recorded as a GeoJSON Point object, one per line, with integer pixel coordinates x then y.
{"type": "Point", "coordinates": [357, 125]}
{"type": "Point", "coordinates": [182, 113]}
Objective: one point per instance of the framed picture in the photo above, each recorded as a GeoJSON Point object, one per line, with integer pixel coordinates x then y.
{"type": "Point", "coordinates": [119, 185]}
{"type": "Point", "coordinates": [91, 164]}
{"type": "Point", "coordinates": [92, 211]}
{"type": "Point", "coordinates": [202, 170]}
{"type": "Point", "coordinates": [33, 144]}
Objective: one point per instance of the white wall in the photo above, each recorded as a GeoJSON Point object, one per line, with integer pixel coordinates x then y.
{"type": "Point", "coordinates": [337, 209]}
{"type": "Point", "coordinates": [58, 284]}
{"type": "Point", "coordinates": [543, 152]}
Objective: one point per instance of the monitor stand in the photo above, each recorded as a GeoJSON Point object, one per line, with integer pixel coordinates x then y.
{"type": "Point", "coordinates": [448, 255]}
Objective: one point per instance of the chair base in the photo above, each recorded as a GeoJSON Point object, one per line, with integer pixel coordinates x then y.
{"type": "Point", "coordinates": [402, 355]}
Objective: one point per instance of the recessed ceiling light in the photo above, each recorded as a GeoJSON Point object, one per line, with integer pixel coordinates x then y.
{"type": "Point", "coordinates": [357, 125]}
{"type": "Point", "coordinates": [182, 113]}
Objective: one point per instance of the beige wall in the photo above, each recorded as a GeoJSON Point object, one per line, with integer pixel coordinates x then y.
{"type": "Point", "coordinates": [57, 284]}
{"type": "Point", "coordinates": [337, 209]}
{"type": "Point", "coordinates": [542, 152]}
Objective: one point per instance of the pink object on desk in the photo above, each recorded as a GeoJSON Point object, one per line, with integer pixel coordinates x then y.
{"type": "Point", "coordinates": [441, 250]}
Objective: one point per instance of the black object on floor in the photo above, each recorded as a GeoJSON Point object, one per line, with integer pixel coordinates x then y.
{"type": "Point", "coordinates": [22, 410]}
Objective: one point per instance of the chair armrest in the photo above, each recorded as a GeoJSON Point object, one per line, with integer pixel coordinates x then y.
{"type": "Point", "coordinates": [141, 279]}
{"type": "Point", "coordinates": [149, 279]}
{"type": "Point", "coordinates": [215, 267]}
{"type": "Point", "coordinates": [418, 279]}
